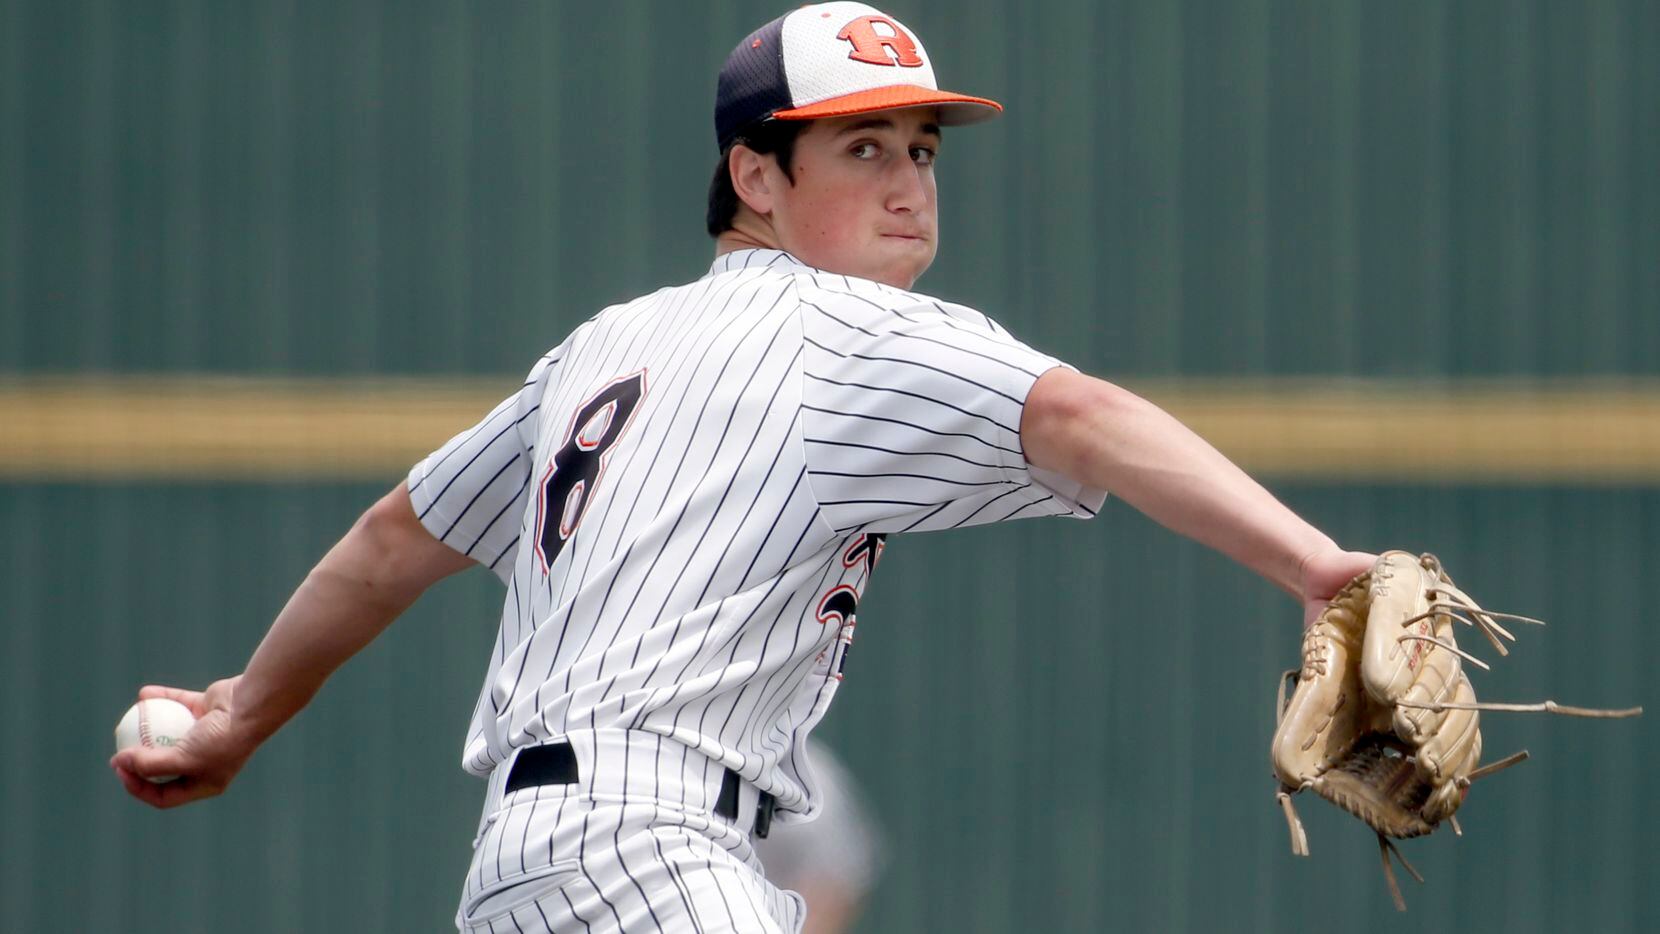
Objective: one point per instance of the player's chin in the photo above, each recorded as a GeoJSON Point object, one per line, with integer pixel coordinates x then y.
{"type": "Point", "coordinates": [905, 259]}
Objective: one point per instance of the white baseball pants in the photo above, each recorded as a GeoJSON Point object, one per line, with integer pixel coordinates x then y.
{"type": "Point", "coordinates": [633, 846]}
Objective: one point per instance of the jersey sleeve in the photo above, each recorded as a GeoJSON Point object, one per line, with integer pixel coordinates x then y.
{"type": "Point", "coordinates": [471, 493]}
{"type": "Point", "coordinates": [911, 419]}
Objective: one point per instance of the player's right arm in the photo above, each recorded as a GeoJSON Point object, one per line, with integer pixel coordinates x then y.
{"type": "Point", "coordinates": [372, 575]}
{"type": "Point", "coordinates": [461, 505]}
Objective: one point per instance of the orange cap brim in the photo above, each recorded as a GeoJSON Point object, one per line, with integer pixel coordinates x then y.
{"type": "Point", "coordinates": [955, 109]}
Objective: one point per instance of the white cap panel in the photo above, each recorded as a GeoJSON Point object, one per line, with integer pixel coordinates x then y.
{"type": "Point", "coordinates": [835, 49]}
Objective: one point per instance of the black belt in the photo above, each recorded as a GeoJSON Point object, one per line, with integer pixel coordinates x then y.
{"type": "Point", "coordinates": [555, 764]}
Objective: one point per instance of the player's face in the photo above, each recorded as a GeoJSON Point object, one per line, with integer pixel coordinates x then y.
{"type": "Point", "coordinates": [863, 200]}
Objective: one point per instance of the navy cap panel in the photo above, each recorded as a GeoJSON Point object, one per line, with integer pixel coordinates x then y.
{"type": "Point", "coordinates": [752, 83]}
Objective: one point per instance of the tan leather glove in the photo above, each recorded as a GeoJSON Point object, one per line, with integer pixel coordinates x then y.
{"type": "Point", "coordinates": [1384, 722]}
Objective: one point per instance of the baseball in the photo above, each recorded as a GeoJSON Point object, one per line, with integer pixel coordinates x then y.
{"type": "Point", "coordinates": [154, 722]}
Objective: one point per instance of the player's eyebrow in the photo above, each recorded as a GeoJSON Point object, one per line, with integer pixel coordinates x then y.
{"type": "Point", "coordinates": [883, 123]}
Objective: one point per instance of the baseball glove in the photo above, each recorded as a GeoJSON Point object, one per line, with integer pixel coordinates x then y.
{"type": "Point", "coordinates": [1383, 722]}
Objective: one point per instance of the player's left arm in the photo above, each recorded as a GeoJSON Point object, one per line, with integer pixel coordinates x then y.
{"type": "Point", "coordinates": [366, 580]}
{"type": "Point", "coordinates": [1109, 438]}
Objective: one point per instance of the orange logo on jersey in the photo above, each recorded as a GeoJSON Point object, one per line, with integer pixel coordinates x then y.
{"type": "Point", "coordinates": [874, 48]}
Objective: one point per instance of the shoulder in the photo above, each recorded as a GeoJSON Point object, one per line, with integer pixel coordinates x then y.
{"type": "Point", "coordinates": [820, 285]}
{"type": "Point", "coordinates": [873, 305]}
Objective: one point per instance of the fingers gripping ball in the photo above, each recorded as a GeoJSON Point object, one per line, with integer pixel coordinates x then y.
{"type": "Point", "coordinates": [152, 723]}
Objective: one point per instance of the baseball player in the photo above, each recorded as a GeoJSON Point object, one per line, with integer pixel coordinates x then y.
{"type": "Point", "coordinates": [687, 497]}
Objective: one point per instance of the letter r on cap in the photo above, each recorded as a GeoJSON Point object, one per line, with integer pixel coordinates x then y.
{"type": "Point", "coordinates": [873, 48]}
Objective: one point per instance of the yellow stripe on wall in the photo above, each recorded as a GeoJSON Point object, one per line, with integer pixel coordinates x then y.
{"type": "Point", "coordinates": [236, 428]}
{"type": "Point", "coordinates": [1594, 432]}
{"type": "Point", "coordinates": [254, 429]}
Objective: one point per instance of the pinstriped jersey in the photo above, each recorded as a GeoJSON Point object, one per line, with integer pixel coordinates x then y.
{"type": "Point", "coordinates": [687, 497]}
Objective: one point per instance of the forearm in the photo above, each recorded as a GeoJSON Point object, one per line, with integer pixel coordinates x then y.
{"type": "Point", "coordinates": [364, 582]}
{"type": "Point", "coordinates": [1111, 439]}
{"type": "Point", "coordinates": [331, 616]}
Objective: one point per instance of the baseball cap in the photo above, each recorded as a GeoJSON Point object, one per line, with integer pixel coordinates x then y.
{"type": "Point", "coordinates": [831, 60]}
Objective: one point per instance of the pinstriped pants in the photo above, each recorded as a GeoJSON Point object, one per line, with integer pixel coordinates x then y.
{"type": "Point", "coordinates": [633, 846]}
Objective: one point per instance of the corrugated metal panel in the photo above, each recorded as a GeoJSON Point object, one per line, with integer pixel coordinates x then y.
{"type": "Point", "coordinates": [1258, 187]}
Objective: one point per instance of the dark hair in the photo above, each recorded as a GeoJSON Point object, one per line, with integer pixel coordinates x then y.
{"type": "Point", "coordinates": [768, 137]}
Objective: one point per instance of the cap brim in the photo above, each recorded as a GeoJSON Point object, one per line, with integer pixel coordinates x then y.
{"type": "Point", "coordinates": [955, 109]}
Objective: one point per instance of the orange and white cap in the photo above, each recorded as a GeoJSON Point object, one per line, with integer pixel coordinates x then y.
{"type": "Point", "coordinates": [831, 60]}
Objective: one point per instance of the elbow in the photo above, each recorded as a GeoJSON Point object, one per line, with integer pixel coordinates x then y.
{"type": "Point", "coordinates": [380, 529]}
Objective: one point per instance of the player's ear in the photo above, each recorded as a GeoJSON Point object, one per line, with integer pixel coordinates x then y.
{"type": "Point", "coordinates": [748, 169]}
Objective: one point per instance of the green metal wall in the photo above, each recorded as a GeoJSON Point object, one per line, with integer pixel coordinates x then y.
{"type": "Point", "coordinates": [1202, 187]}
{"type": "Point", "coordinates": [1062, 725]}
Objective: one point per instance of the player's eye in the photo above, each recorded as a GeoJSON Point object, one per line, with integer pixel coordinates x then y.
{"type": "Point", "coordinates": [922, 155]}
{"type": "Point", "coordinates": [865, 151]}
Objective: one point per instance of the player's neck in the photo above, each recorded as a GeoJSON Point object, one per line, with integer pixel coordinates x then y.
{"type": "Point", "coordinates": [748, 232]}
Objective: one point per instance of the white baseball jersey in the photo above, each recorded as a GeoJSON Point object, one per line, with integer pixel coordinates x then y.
{"type": "Point", "coordinates": [687, 497]}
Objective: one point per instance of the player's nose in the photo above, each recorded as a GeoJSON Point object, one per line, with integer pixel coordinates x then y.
{"type": "Point", "coordinates": [907, 188]}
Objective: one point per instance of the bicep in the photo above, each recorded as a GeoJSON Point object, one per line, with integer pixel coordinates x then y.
{"type": "Point", "coordinates": [1054, 426]}
{"type": "Point", "coordinates": [410, 557]}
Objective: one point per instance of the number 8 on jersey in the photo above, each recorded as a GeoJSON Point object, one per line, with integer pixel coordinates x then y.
{"type": "Point", "coordinates": [575, 470]}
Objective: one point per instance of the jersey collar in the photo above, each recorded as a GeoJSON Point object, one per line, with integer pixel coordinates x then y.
{"type": "Point", "coordinates": [745, 259]}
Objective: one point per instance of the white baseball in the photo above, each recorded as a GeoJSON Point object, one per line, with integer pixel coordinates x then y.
{"type": "Point", "coordinates": [151, 723]}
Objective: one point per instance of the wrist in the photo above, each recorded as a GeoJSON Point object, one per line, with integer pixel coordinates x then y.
{"type": "Point", "coordinates": [1308, 555]}
{"type": "Point", "coordinates": [249, 721]}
